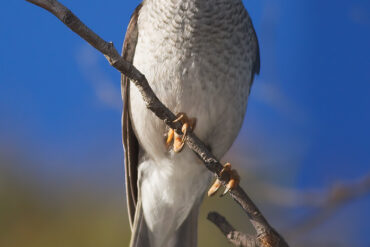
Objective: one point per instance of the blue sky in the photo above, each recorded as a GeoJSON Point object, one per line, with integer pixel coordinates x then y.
{"type": "Point", "coordinates": [309, 111]}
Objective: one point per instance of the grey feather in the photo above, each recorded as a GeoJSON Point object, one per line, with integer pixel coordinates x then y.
{"type": "Point", "coordinates": [130, 142]}
{"type": "Point", "coordinates": [140, 232]}
{"type": "Point", "coordinates": [187, 234]}
{"type": "Point", "coordinates": [200, 58]}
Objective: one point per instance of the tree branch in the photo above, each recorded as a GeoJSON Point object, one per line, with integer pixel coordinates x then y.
{"type": "Point", "coordinates": [267, 236]}
{"type": "Point", "coordinates": [235, 237]}
{"type": "Point", "coordinates": [337, 196]}
{"type": "Point", "coordinates": [338, 193]}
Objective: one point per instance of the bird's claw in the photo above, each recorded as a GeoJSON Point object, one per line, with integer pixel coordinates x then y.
{"type": "Point", "coordinates": [188, 124]}
{"type": "Point", "coordinates": [214, 188]}
{"type": "Point", "coordinates": [233, 182]}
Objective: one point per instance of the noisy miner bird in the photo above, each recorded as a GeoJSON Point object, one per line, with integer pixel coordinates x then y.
{"type": "Point", "coordinates": [200, 57]}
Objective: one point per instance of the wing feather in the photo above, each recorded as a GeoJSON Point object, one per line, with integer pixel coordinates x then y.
{"type": "Point", "coordinates": [130, 142]}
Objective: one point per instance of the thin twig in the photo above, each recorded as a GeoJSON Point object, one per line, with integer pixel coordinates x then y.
{"type": "Point", "coordinates": [266, 234]}
{"type": "Point", "coordinates": [337, 197]}
{"type": "Point", "coordinates": [235, 237]}
{"type": "Point", "coordinates": [338, 193]}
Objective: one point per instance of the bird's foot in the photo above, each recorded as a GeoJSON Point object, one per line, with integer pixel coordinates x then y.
{"type": "Point", "coordinates": [233, 182]}
{"type": "Point", "coordinates": [188, 124]}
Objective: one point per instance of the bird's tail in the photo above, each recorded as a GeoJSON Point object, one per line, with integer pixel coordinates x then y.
{"type": "Point", "coordinates": [140, 231]}
{"type": "Point", "coordinates": [185, 236]}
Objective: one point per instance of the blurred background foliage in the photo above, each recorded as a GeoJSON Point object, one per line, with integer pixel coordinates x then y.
{"type": "Point", "coordinates": [306, 130]}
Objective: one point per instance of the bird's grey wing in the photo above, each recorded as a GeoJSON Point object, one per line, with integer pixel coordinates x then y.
{"type": "Point", "coordinates": [257, 61]}
{"type": "Point", "coordinates": [253, 42]}
{"type": "Point", "coordinates": [140, 232]}
{"type": "Point", "coordinates": [130, 142]}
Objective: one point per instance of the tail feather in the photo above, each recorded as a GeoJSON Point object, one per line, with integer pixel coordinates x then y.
{"type": "Point", "coordinates": [185, 236]}
{"type": "Point", "coordinates": [140, 231]}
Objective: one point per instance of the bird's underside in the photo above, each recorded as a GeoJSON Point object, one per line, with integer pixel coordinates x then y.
{"type": "Point", "coordinates": [199, 58]}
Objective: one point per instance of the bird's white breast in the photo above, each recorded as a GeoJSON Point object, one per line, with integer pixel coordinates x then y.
{"type": "Point", "coordinates": [192, 53]}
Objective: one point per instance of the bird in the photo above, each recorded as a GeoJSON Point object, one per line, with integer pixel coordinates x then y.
{"type": "Point", "coordinates": [200, 58]}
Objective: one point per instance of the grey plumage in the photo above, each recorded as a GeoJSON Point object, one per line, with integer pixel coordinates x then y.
{"type": "Point", "coordinates": [200, 57]}
{"type": "Point", "coordinates": [130, 142]}
{"type": "Point", "coordinates": [185, 235]}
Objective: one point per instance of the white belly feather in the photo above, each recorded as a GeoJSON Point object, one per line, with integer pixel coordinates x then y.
{"type": "Point", "coordinates": [205, 77]}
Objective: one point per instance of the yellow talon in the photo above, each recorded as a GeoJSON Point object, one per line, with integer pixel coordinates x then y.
{"type": "Point", "coordinates": [233, 182]}
{"type": "Point", "coordinates": [178, 143]}
{"type": "Point", "coordinates": [214, 188]}
{"type": "Point", "coordinates": [179, 140]}
{"type": "Point", "coordinates": [170, 135]}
